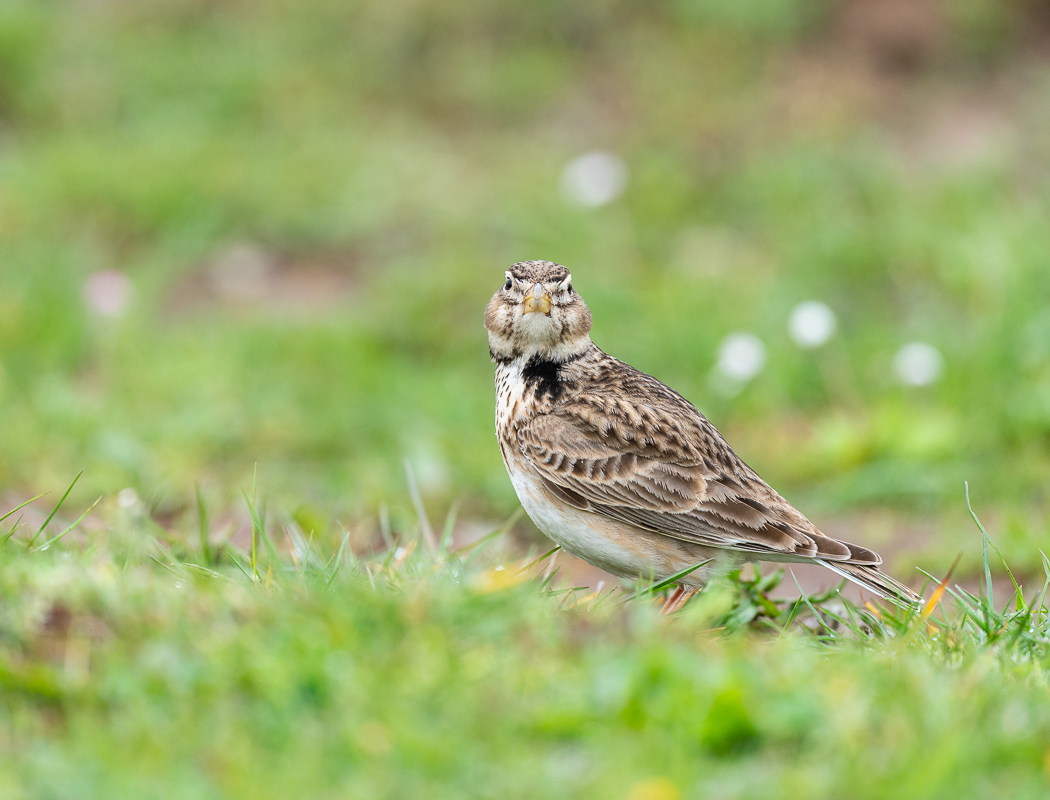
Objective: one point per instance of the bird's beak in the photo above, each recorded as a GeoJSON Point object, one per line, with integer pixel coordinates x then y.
{"type": "Point", "coordinates": [537, 300]}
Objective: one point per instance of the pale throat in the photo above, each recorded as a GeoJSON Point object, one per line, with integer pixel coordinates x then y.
{"type": "Point", "coordinates": [524, 349]}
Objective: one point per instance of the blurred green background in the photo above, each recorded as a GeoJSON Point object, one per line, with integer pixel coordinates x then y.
{"type": "Point", "coordinates": [237, 233]}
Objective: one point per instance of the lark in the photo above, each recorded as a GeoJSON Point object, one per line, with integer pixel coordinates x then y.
{"type": "Point", "coordinates": [624, 472]}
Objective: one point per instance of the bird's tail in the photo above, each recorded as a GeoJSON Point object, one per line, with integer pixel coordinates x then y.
{"type": "Point", "coordinates": [879, 583]}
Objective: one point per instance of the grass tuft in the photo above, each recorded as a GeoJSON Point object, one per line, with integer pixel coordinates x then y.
{"type": "Point", "coordinates": [379, 669]}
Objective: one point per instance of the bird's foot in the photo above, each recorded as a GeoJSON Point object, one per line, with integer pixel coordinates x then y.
{"type": "Point", "coordinates": [678, 598]}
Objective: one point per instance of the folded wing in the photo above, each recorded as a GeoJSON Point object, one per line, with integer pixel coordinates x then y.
{"type": "Point", "coordinates": [666, 482]}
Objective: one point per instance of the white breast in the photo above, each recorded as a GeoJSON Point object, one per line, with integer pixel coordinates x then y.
{"type": "Point", "coordinates": [602, 542]}
{"type": "Point", "coordinates": [510, 396]}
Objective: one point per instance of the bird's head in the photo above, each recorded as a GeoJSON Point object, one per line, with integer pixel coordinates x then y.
{"type": "Point", "coordinates": [537, 313]}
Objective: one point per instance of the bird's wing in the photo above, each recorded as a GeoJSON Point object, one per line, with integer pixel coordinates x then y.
{"type": "Point", "coordinates": [668, 471]}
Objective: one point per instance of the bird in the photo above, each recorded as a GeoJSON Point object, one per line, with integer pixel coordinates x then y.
{"type": "Point", "coordinates": [621, 470]}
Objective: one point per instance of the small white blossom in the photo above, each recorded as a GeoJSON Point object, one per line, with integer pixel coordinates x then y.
{"type": "Point", "coordinates": [811, 324]}
{"type": "Point", "coordinates": [130, 503]}
{"type": "Point", "coordinates": [594, 179]}
{"type": "Point", "coordinates": [918, 364]}
{"type": "Point", "coordinates": [741, 356]}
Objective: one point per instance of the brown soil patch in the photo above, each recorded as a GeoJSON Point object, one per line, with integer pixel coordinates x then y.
{"type": "Point", "coordinates": [248, 278]}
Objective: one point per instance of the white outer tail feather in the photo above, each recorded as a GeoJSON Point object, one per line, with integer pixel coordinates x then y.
{"type": "Point", "coordinates": [900, 599]}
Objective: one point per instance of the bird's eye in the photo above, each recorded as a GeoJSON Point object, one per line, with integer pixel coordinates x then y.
{"type": "Point", "coordinates": [508, 284]}
{"type": "Point", "coordinates": [569, 287]}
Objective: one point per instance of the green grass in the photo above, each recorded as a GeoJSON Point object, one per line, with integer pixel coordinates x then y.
{"type": "Point", "coordinates": [133, 662]}
{"type": "Point", "coordinates": [415, 154]}
{"type": "Point", "coordinates": [399, 155]}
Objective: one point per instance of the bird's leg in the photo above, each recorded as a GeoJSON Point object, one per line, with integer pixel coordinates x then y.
{"type": "Point", "coordinates": [679, 597]}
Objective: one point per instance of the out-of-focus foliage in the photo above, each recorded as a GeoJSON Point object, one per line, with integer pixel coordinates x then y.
{"type": "Point", "coordinates": [133, 663]}
{"type": "Point", "coordinates": [312, 202]}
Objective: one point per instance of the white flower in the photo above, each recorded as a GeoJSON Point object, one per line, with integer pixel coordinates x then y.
{"type": "Point", "coordinates": [107, 292]}
{"type": "Point", "coordinates": [129, 500]}
{"type": "Point", "coordinates": [741, 356]}
{"type": "Point", "coordinates": [594, 179]}
{"type": "Point", "coordinates": [918, 364]}
{"type": "Point", "coordinates": [811, 324]}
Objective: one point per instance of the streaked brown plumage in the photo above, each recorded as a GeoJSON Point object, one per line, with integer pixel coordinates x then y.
{"type": "Point", "coordinates": [620, 469]}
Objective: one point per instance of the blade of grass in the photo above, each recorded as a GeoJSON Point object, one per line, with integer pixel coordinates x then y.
{"type": "Point", "coordinates": [791, 616]}
{"type": "Point", "coordinates": [571, 593]}
{"type": "Point", "coordinates": [417, 501]}
{"type": "Point", "coordinates": [323, 569]}
{"type": "Point", "coordinates": [473, 547]}
{"type": "Point", "coordinates": [237, 564]}
{"type": "Point", "coordinates": [938, 593]}
{"type": "Point", "coordinates": [856, 625]}
{"type": "Point", "coordinates": [984, 535]}
{"type": "Point", "coordinates": [209, 572]}
{"type": "Point", "coordinates": [827, 594]}
{"type": "Point", "coordinates": [54, 511]}
{"type": "Point", "coordinates": [10, 533]}
{"type": "Point", "coordinates": [169, 567]}
{"type": "Point", "coordinates": [450, 523]}
{"type": "Point", "coordinates": [255, 563]}
{"type": "Point", "coordinates": [1013, 580]}
{"type": "Point", "coordinates": [668, 581]}
{"type": "Point", "coordinates": [539, 560]}
{"type": "Point", "coordinates": [202, 525]}
{"type": "Point", "coordinates": [300, 547]}
{"type": "Point", "coordinates": [309, 551]}
{"type": "Point", "coordinates": [16, 509]}
{"type": "Point", "coordinates": [255, 524]}
{"type": "Point", "coordinates": [805, 599]}
{"type": "Point", "coordinates": [339, 558]}
{"type": "Point", "coordinates": [548, 577]}
{"type": "Point", "coordinates": [80, 519]}
{"type": "Point", "coordinates": [550, 570]}
{"type": "Point", "coordinates": [267, 541]}
{"type": "Point", "coordinates": [841, 621]}
{"type": "Point", "coordinates": [1046, 583]}
{"type": "Point", "coordinates": [968, 606]}
{"type": "Point", "coordinates": [770, 581]}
